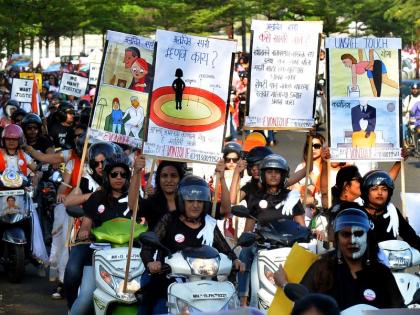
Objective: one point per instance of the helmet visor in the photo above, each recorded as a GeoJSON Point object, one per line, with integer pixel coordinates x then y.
{"type": "Point", "coordinates": [194, 192]}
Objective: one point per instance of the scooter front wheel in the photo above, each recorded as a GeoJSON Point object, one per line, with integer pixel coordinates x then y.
{"type": "Point", "coordinates": [16, 266]}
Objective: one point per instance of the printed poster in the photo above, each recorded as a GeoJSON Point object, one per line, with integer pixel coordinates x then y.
{"type": "Point", "coordinates": [22, 90]}
{"type": "Point", "coordinates": [126, 78]}
{"type": "Point", "coordinates": [283, 74]}
{"type": "Point", "coordinates": [364, 98]}
{"type": "Point", "coordinates": [190, 93]}
{"type": "Point", "coordinates": [72, 84]}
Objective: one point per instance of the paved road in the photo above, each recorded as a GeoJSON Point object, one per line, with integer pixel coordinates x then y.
{"type": "Point", "coordinates": [32, 297]}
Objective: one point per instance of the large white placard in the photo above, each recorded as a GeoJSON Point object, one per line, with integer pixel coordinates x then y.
{"type": "Point", "coordinates": [283, 74]}
{"type": "Point", "coordinates": [72, 84]}
{"type": "Point", "coordinates": [22, 90]}
{"type": "Point", "coordinates": [190, 91]}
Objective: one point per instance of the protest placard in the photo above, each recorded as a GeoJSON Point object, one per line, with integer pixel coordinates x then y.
{"type": "Point", "coordinates": [190, 93]}
{"type": "Point", "coordinates": [125, 80]}
{"type": "Point", "coordinates": [94, 73]}
{"type": "Point", "coordinates": [72, 84]}
{"type": "Point", "coordinates": [21, 90]}
{"type": "Point", "coordinates": [283, 74]}
{"type": "Point", "coordinates": [364, 110]}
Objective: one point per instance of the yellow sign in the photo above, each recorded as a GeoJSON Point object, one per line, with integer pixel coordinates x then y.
{"type": "Point", "coordinates": [296, 265]}
{"type": "Point", "coordinates": [30, 76]}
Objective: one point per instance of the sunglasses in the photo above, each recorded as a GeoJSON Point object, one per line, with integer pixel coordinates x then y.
{"type": "Point", "coordinates": [231, 160]}
{"type": "Point", "coordinates": [31, 128]}
{"type": "Point", "coordinates": [122, 174]}
{"type": "Point", "coordinates": [317, 146]}
{"type": "Point", "coordinates": [97, 163]}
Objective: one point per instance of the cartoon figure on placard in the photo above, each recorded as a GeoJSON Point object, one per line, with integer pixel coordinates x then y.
{"type": "Point", "coordinates": [375, 69]}
{"type": "Point", "coordinates": [11, 206]}
{"type": "Point", "coordinates": [363, 120]}
{"type": "Point", "coordinates": [133, 119]}
{"type": "Point", "coordinates": [114, 121]}
{"type": "Point", "coordinates": [121, 76]}
{"type": "Point", "coordinates": [139, 69]}
{"type": "Point", "coordinates": [178, 86]}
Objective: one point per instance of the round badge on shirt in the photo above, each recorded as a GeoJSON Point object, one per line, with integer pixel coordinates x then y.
{"type": "Point", "coordinates": [21, 162]}
{"type": "Point", "coordinates": [369, 294]}
{"type": "Point", "coordinates": [263, 204]}
{"type": "Point", "coordinates": [101, 209]}
{"type": "Point", "coordinates": [179, 238]}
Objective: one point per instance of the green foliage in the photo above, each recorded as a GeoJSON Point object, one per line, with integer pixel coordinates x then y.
{"type": "Point", "coordinates": [24, 19]}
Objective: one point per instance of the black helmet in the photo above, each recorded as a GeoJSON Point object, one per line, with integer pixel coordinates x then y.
{"type": "Point", "coordinates": [116, 160]}
{"type": "Point", "coordinates": [107, 149]}
{"type": "Point", "coordinates": [275, 161]}
{"type": "Point", "coordinates": [18, 112]}
{"type": "Point", "coordinates": [232, 147]}
{"type": "Point", "coordinates": [31, 118]}
{"type": "Point", "coordinates": [192, 187]}
{"type": "Point", "coordinates": [63, 109]}
{"type": "Point", "coordinates": [10, 103]}
{"type": "Point", "coordinates": [257, 154]}
{"type": "Point", "coordinates": [376, 178]}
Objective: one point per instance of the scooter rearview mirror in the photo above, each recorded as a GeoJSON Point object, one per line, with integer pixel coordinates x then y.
{"type": "Point", "coordinates": [246, 239]}
{"type": "Point", "coordinates": [75, 211]}
{"type": "Point", "coordinates": [240, 211]}
{"type": "Point", "coordinates": [295, 291]}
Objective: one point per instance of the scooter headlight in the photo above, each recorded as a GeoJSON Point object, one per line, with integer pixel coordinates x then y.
{"type": "Point", "coordinates": [117, 284]}
{"type": "Point", "coordinates": [204, 267]}
{"type": "Point", "coordinates": [269, 278]}
{"type": "Point", "coordinates": [399, 259]}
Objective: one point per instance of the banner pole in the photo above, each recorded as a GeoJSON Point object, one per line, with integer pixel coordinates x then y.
{"type": "Point", "coordinates": [403, 197]}
{"type": "Point", "coordinates": [216, 193]}
{"type": "Point", "coordinates": [130, 244]}
{"type": "Point", "coordinates": [308, 166]}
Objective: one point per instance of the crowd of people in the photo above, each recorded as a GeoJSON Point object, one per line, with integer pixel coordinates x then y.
{"type": "Point", "coordinates": [175, 203]}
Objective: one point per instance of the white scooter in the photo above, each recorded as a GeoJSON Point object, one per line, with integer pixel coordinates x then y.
{"type": "Point", "coordinates": [274, 242]}
{"type": "Point", "coordinates": [109, 264]}
{"type": "Point", "coordinates": [402, 256]}
{"type": "Point", "coordinates": [197, 267]}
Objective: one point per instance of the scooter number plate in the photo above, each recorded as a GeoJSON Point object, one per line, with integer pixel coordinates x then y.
{"type": "Point", "coordinates": [206, 296]}
{"type": "Point", "coordinates": [122, 256]}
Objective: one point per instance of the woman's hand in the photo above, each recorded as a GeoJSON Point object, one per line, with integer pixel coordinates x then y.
{"type": "Point", "coordinates": [280, 277]}
{"type": "Point", "coordinates": [83, 235]}
{"type": "Point", "coordinates": [240, 166]}
{"type": "Point", "coordinates": [220, 168]}
{"type": "Point", "coordinates": [154, 266]}
{"type": "Point", "coordinates": [239, 265]}
{"type": "Point", "coordinates": [139, 163]}
{"type": "Point", "coordinates": [61, 198]}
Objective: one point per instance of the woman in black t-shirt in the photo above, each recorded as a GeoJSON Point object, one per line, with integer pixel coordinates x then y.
{"type": "Point", "coordinates": [189, 226]}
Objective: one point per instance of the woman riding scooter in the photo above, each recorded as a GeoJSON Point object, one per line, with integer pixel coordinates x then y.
{"type": "Point", "coordinates": [189, 226]}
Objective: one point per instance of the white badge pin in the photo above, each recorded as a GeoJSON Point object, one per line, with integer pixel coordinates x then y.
{"type": "Point", "coordinates": [263, 204]}
{"type": "Point", "coordinates": [369, 294]}
{"type": "Point", "coordinates": [179, 238]}
{"type": "Point", "coordinates": [101, 208]}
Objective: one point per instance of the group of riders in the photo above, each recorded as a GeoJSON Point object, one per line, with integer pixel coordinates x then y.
{"type": "Point", "coordinates": [177, 206]}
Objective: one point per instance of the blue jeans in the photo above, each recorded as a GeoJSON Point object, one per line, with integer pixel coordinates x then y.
{"type": "Point", "coordinates": [80, 255]}
{"type": "Point", "coordinates": [270, 136]}
{"type": "Point", "coordinates": [247, 257]}
{"type": "Point", "coordinates": [84, 302]}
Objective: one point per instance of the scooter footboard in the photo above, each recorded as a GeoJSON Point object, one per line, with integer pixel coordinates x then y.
{"type": "Point", "coordinates": [201, 296]}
